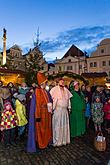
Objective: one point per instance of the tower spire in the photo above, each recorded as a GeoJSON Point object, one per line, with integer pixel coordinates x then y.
{"type": "Point", "coordinates": [4, 46]}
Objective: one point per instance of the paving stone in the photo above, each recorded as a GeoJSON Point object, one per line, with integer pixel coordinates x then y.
{"type": "Point", "coordinates": [80, 152]}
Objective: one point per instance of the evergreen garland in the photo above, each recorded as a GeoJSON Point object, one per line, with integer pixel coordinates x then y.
{"type": "Point", "coordinates": [68, 74]}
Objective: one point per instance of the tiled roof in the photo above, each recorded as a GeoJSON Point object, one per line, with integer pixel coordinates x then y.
{"type": "Point", "coordinates": [74, 51]}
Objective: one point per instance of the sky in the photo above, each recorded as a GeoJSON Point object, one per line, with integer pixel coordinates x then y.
{"type": "Point", "coordinates": [61, 23]}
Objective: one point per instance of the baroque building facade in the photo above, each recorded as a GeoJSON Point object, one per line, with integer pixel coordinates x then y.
{"type": "Point", "coordinates": [15, 60]}
{"type": "Point", "coordinates": [74, 61]}
{"type": "Point", "coordinates": [99, 61]}
{"type": "Point", "coordinates": [77, 62]}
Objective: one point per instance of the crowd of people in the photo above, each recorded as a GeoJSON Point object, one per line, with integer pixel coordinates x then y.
{"type": "Point", "coordinates": [51, 116]}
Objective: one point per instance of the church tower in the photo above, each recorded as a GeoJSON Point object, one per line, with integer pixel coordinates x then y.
{"type": "Point", "coordinates": [4, 46]}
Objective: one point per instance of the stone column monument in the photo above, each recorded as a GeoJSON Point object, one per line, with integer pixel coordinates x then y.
{"type": "Point", "coordinates": [4, 46]}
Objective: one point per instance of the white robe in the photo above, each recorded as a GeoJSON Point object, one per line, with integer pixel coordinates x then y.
{"type": "Point", "coordinates": [60, 119]}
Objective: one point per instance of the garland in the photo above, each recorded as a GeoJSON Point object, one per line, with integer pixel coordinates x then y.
{"type": "Point", "coordinates": [68, 74]}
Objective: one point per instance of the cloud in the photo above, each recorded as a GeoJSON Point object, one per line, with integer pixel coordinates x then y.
{"type": "Point", "coordinates": [86, 38]}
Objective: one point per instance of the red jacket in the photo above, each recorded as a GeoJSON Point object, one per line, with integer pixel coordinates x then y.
{"type": "Point", "coordinates": [106, 110]}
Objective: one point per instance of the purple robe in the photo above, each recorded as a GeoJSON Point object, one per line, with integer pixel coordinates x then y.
{"type": "Point", "coordinates": [31, 142]}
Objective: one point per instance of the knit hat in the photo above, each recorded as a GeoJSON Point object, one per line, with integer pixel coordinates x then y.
{"type": "Point", "coordinates": [97, 96]}
{"type": "Point", "coordinates": [5, 93]}
{"type": "Point", "coordinates": [6, 103]}
{"type": "Point", "coordinates": [21, 97]}
{"type": "Point", "coordinates": [41, 78]}
{"type": "Point", "coordinates": [75, 83]}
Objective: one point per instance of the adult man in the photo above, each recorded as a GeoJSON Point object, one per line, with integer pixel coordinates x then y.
{"type": "Point", "coordinates": [39, 118]}
{"type": "Point", "coordinates": [60, 121]}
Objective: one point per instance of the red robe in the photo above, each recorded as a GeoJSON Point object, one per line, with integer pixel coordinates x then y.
{"type": "Point", "coordinates": [44, 127]}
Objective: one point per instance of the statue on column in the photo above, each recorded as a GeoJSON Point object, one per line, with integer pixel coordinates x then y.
{"type": "Point", "coordinates": [4, 46]}
{"type": "Point", "coordinates": [4, 33]}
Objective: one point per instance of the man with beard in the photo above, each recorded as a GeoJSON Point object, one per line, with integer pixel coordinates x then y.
{"type": "Point", "coordinates": [60, 121]}
{"type": "Point", "coordinates": [40, 129]}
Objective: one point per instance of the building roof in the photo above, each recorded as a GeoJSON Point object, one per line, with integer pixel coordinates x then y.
{"type": "Point", "coordinates": [16, 47]}
{"type": "Point", "coordinates": [94, 74]}
{"type": "Point", "coordinates": [105, 41]}
{"type": "Point", "coordinates": [73, 51]}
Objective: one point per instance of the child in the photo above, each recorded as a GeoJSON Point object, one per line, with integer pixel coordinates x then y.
{"type": "Point", "coordinates": [8, 123]}
{"type": "Point", "coordinates": [87, 112]}
{"type": "Point", "coordinates": [97, 113]}
{"type": "Point", "coordinates": [107, 114]}
{"type": "Point", "coordinates": [21, 114]}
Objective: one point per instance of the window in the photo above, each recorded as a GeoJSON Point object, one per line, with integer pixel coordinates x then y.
{"type": "Point", "coordinates": [91, 64]}
{"type": "Point", "coordinates": [59, 68]}
{"type": "Point", "coordinates": [69, 68]}
{"type": "Point", "coordinates": [80, 66]}
{"type": "Point", "coordinates": [109, 74]}
{"type": "Point", "coordinates": [103, 63]}
{"type": "Point", "coordinates": [95, 64]}
{"type": "Point", "coordinates": [69, 60]}
{"type": "Point", "coordinates": [64, 67]}
{"type": "Point", "coordinates": [102, 50]}
{"type": "Point", "coordinates": [109, 63]}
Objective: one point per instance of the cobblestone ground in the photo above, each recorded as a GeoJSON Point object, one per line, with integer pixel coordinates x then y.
{"type": "Point", "coordinates": [81, 151]}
